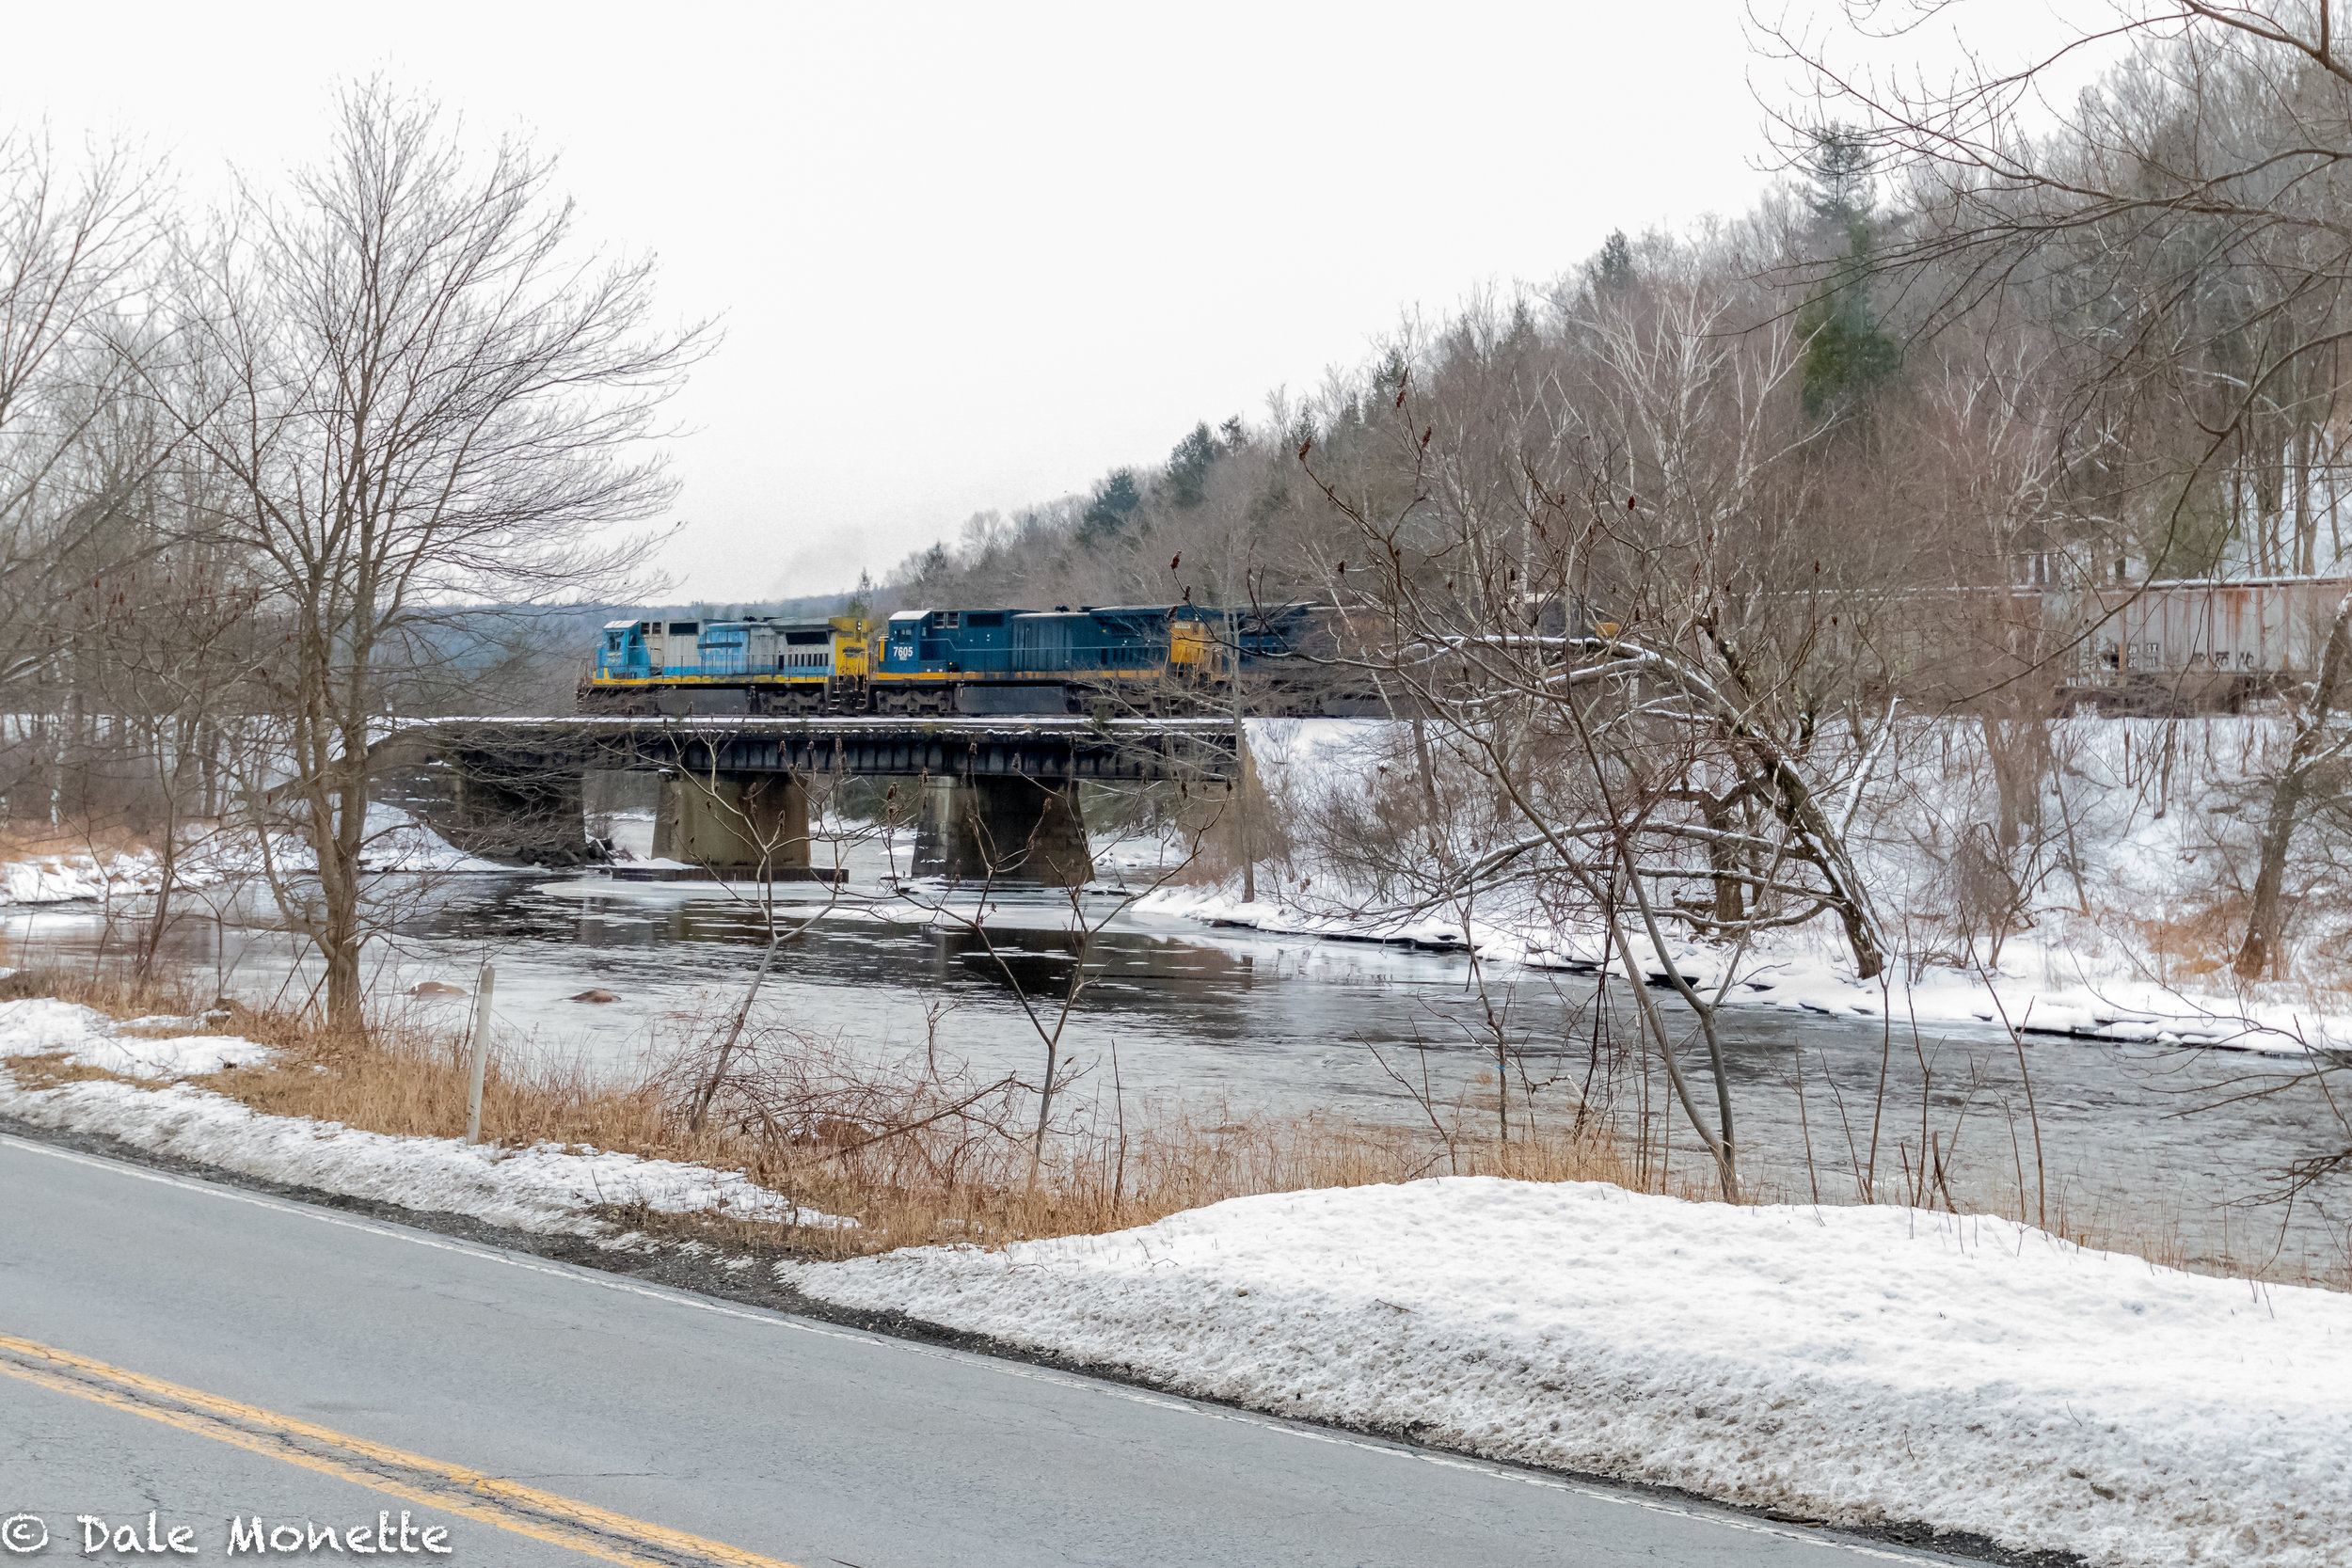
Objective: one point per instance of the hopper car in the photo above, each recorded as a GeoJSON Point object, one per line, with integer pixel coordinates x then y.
{"type": "Point", "coordinates": [2190, 646]}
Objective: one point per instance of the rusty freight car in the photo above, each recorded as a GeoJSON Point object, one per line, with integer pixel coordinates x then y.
{"type": "Point", "coordinates": [2192, 645]}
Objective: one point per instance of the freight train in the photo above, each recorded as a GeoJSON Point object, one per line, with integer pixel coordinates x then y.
{"type": "Point", "coordinates": [2193, 646]}
{"type": "Point", "coordinates": [1116, 658]}
{"type": "Point", "coordinates": [2179, 646]}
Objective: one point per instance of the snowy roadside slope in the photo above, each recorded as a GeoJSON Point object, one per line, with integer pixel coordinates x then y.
{"type": "Point", "coordinates": [1849, 1364]}
{"type": "Point", "coordinates": [548, 1187]}
{"type": "Point", "coordinates": [543, 1188]}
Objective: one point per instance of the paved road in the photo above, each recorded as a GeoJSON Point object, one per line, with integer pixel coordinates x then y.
{"type": "Point", "coordinates": [197, 1351]}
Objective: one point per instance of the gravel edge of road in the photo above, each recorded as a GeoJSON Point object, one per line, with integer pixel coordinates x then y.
{"type": "Point", "coordinates": [701, 1269]}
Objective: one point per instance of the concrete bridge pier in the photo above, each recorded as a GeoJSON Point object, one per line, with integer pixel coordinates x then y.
{"type": "Point", "coordinates": [1003, 828]}
{"type": "Point", "coordinates": [509, 808]}
{"type": "Point", "coordinates": [733, 823]}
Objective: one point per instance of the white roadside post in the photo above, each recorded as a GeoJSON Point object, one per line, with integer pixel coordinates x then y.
{"type": "Point", "coordinates": [480, 1053]}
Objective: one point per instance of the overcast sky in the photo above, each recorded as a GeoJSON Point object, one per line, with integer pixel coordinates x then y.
{"type": "Point", "coordinates": [973, 255]}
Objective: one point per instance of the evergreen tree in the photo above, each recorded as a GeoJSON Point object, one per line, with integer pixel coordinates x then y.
{"type": "Point", "coordinates": [1115, 498]}
{"type": "Point", "coordinates": [1847, 353]}
{"type": "Point", "coordinates": [1839, 169]}
{"type": "Point", "coordinates": [931, 569]}
{"type": "Point", "coordinates": [1612, 269]}
{"type": "Point", "coordinates": [1188, 467]}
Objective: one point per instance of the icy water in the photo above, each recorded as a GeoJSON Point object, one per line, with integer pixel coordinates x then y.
{"type": "Point", "coordinates": [2140, 1135]}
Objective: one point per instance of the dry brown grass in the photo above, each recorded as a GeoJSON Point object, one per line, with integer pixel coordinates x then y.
{"type": "Point", "coordinates": [43, 1072]}
{"type": "Point", "coordinates": [2198, 944]}
{"type": "Point", "coordinates": [23, 840]}
{"type": "Point", "coordinates": [1091, 1184]}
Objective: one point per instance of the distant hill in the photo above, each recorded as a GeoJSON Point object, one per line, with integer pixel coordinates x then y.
{"type": "Point", "coordinates": [815, 607]}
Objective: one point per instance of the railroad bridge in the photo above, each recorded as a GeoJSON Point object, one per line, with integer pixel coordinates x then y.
{"type": "Point", "coordinates": [994, 798]}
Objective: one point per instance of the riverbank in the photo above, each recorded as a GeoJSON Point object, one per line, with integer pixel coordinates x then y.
{"type": "Point", "coordinates": [61, 866]}
{"type": "Point", "coordinates": [2044, 986]}
{"type": "Point", "coordinates": [766, 1136]}
{"type": "Point", "coordinates": [2117, 918]}
{"type": "Point", "coordinates": [142, 1082]}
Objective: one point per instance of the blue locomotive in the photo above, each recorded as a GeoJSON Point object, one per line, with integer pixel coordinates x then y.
{"type": "Point", "coordinates": [1125, 658]}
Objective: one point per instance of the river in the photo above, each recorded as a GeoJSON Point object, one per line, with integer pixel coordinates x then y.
{"type": "Point", "coordinates": [2152, 1144]}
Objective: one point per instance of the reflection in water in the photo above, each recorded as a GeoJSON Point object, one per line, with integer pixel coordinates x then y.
{"type": "Point", "coordinates": [1289, 1025]}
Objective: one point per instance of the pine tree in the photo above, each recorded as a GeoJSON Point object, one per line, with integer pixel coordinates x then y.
{"type": "Point", "coordinates": [1188, 467]}
{"type": "Point", "coordinates": [1612, 269]}
{"type": "Point", "coordinates": [1847, 353]}
{"type": "Point", "coordinates": [1115, 498]}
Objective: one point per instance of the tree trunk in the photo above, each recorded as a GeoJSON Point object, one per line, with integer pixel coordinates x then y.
{"type": "Point", "coordinates": [340, 943]}
{"type": "Point", "coordinates": [2265, 924]}
{"type": "Point", "coordinates": [1793, 800]}
{"type": "Point", "coordinates": [1428, 772]}
{"type": "Point", "coordinates": [1240, 780]}
{"type": "Point", "coordinates": [1724, 858]}
{"type": "Point", "coordinates": [338, 830]}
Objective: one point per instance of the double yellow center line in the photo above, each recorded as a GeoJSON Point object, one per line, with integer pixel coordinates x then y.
{"type": "Point", "coordinates": [508, 1504]}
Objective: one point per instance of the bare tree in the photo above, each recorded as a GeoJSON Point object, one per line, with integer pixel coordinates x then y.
{"type": "Point", "coordinates": [421, 396]}
{"type": "Point", "coordinates": [72, 249]}
{"type": "Point", "coordinates": [970, 901]}
{"type": "Point", "coordinates": [1595, 549]}
{"type": "Point", "coordinates": [2312, 747]}
{"type": "Point", "coordinates": [2184, 227]}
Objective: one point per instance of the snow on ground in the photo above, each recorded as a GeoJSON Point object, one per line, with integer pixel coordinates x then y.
{"type": "Point", "coordinates": [2085, 963]}
{"type": "Point", "coordinates": [1856, 1364]}
{"type": "Point", "coordinates": [397, 842]}
{"type": "Point", "coordinates": [548, 1187]}
{"type": "Point", "coordinates": [141, 1048]}
{"type": "Point", "coordinates": [61, 878]}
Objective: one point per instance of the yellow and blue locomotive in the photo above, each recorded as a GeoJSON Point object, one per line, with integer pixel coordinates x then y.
{"type": "Point", "coordinates": [1134, 657]}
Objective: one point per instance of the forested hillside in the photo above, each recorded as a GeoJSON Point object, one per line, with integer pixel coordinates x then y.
{"type": "Point", "coordinates": [1892, 365]}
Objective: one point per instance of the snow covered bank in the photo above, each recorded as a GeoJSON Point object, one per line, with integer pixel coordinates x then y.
{"type": "Point", "coordinates": [2123, 935]}
{"type": "Point", "coordinates": [1847, 1364]}
{"type": "Point", "coordinates": [397, 843]}
{"type": "Point", "coordinates": [548, 1187]}
{"type": "Point", "coordinates": [64, 878]}
{"type": "Point", "coordinates": [1797, 974]}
